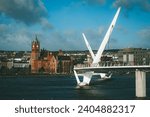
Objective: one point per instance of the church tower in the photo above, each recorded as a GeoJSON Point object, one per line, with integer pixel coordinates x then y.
{"type": "Point", "coordinates": [35, 49]}
{"type": "Point", "coordinates": [35, 54]}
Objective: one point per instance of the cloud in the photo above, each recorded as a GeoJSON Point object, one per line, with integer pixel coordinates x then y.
{"type": "Point", "coordinates": [145, 34]}
{"type": "Point", "coordinates": [93, 2]}
{"type": "Point", "coordinates": [130, 4]}
{"type": "Point", "coordinates": [27, 11]}
{"type": "Point", "coordinates": [70, 39]}
{"type": "Point", "coordinates": [65, 40]}
{"type": "Point", "coordinates": [120, 28]}
{"type": "Point", "coordinates": [18, 39]}
{"type": "Point", "coordinates": [45, 24]}
{"type": "Point", "coordinates": [113, 43]}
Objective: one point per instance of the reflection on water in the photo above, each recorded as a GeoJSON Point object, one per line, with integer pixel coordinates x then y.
{"type": "Point", "coordinates": [64, 88]}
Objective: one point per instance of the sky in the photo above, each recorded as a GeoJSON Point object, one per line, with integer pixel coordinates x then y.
{"type": "Point", "coordinates": [59, 24]}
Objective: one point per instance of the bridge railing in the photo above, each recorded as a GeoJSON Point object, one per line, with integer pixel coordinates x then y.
{"type": "Point", "coordinates": [104, 65]}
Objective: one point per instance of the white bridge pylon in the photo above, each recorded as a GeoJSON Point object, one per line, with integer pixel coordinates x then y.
{"type": "Point", "coordinates": [96, 58]}
{"type": "Point", "coordinates": [103, 75]}
{"type": "Point", "coordinates": [88, 46]}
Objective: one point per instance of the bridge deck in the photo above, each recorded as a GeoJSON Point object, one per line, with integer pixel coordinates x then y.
{"type": "Point", "coordinates": [104, 68]}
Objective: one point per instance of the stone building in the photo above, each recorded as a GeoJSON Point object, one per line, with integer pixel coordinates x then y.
{"type": "Point", "coordinates": [65, 65]}
{"type": "Point", "coordinates": [134, 56]}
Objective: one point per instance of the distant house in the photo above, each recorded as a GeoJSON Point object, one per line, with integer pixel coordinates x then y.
{"type": "Point", "coordinates": [20, 64]}
{"type": "Point", "coordinates": [10, 64]}
{"type": "Point", "coordinates": [4, 63]}
{"type": "Point", "coordinates": [0, 65]}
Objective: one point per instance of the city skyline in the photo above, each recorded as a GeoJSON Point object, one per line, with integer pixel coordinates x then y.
{"type": "Point", "coordinates": [59, 24]}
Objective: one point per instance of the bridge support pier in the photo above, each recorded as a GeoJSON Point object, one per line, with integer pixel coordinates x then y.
{"type": "Point", "coordinates": [140, 81]}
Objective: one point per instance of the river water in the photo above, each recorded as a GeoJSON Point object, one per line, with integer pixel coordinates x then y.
{"type": "Point", "coordinates": [64, 88]}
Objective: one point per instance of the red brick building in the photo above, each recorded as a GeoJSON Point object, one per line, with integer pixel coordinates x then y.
{"type": "Point", "coordinates": [40, 62]}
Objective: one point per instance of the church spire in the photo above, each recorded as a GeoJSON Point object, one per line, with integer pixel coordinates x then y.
{"type": "Point", "coordinates": [36, 39]}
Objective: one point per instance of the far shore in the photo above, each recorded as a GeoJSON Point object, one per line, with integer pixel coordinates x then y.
{"type": "Point", "coordinates": [33, 75]}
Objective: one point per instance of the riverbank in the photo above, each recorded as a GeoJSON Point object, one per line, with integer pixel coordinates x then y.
{"type": "Point", "coordinates": [35, 75]}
